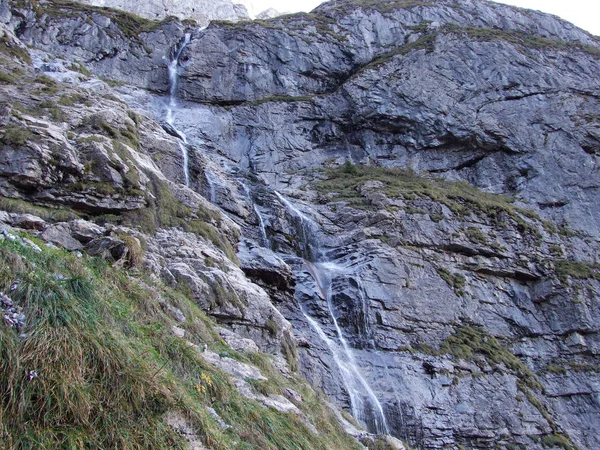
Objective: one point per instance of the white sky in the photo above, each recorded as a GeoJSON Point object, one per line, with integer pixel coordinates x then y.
{"type": "Point", "coordinates": [583, 13]}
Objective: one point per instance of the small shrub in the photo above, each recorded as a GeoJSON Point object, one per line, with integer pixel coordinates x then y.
{"type": "Point", "coordinates": [476, 235]}
{"type": "Point", "coordinates": [455, 280]}
{"type": "Point", "coordinates": [272, 327]}
{"type": "Point", "coordinates": [349, 168]}
{"type": "Point", "coordinates": [7, 78]}
{"type": "Point", "coordinates": [557, 440]}
{"type": "Point", "coordinates": [135, 252]}
{"type": "Point", "coordinates": [46, 213]}
{"type": "Point", "coordinates": [580, 270]}
{"type": "Point", "coordinates": [16, 136]}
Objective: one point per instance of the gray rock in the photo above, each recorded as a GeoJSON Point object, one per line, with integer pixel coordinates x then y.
{"type": "Point", "coordinates": [60, 234]}
{"type": "Point", "coordinates": [202, 11]}
{"type": "Point", "coordinates": [236, 342]}
{"type": "Point", "coordinates": [28, 222]}
{"type": "Point", "coordinates": [109, 248]}
{"type": "Point", "coordinates": [85, 231]}
{"type": "Point", "coordinates": [500, 98]}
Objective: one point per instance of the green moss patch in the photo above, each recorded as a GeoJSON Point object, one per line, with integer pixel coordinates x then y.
{"type": "Point", "coordinates": [345, 183]}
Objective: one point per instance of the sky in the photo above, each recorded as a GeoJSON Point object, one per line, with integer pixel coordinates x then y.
{"type": "Point", "coordinates": [583, 13]}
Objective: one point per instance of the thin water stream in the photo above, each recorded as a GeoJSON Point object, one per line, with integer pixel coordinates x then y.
{"type": "Point", "coordinates": [365, 405]}
{"type": "Point", "coordinates": [173, 74]}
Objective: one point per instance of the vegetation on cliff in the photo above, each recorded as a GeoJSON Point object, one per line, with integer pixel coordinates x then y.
{"type": "Point", "coordinates": [97, 364]}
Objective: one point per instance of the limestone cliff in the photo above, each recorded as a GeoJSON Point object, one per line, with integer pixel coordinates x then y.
{"type": "Point", "coordinates": [414, 186]}
{"type": "Point", "coordinates": [202, 11]}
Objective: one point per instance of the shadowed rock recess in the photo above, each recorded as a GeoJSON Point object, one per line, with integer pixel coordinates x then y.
{"type": "Point", "coordinates": [238, 236]}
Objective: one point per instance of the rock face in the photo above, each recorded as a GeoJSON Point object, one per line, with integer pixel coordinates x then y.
{"type": "Point", "coordinates": [201, 11]}
{"type": "Point", "coordinates": [416, 186]}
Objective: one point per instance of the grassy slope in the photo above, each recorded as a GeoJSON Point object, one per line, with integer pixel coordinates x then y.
{"type": "Point", "coordinates": [109, 368]}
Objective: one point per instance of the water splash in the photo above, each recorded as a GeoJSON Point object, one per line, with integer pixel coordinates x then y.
{"type": "Point", "coordinates": [173, 76]}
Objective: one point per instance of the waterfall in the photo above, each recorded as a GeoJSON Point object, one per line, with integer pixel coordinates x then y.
{"type": "Point", "coordinates": [173, 73]}
{"type": "Point", "coordinates": [365, 405]}
{"type": "Point", "coordinates": [211, 182]}
{"type": "Point", "coordinates": [265, 241]}
{"type": "Point", "coordinates": [368, 339]}
{"type": "Point", "coordinates": [308, 230]}
{"type": "Point", "coordinates": [261, 226]}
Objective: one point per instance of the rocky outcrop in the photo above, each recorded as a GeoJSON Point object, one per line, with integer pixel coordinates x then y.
{"type": "Point", "coordinates": [200, 11]}
{"type": "Point", "coordinates": [115, 45]}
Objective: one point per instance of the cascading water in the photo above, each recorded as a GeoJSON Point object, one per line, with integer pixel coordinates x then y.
{"type": "Point", "coordinates": [173, 73]}
{"type": "Point", "coordinates": [365, 406]}
{"type": "Point", "coordinates": [308, 230]}
{"type": "Point", "coordinates": [261, 225]}
{"type": "Point", "coordinates": [265, 241]}
{"type": "Point", "coordinates": [212, 185]}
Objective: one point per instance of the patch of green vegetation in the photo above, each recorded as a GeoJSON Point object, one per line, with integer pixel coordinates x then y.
{"type": "Point", "coordinates": [523, 40]}
{"type": "Point", "coordinates": [281, 98]}
{"type": "Point", "coordinates": [49, 86]}
{"type": "Point", "coordinates": [16, 136]}
{"type": "Point", "coordinates": [289, 350]}
{"type": "Point", "coordinates": [468, 341]}
{"type": "Point", "coordinates": [13, 50]}
{"type": "Point", "coordinates": [135, 251]}
{"type": "Point", "coordinates": [555, 369]}
{"type": "Point", "coordinates": [460, 197]}
{"type": "Point", "coordinates": [78, 67]}
{"type": "Point", "coordinates": [127, 134]}
{"type": "Point", "coordinates": [112, 83]}
{"type": "Point", "coordinates": [425, 42]}
{"type": "Point", "coordinates": [264, 387]}
{"type": "Point", "coordinates": [103, 188]}
{"type": "Point", "coordinates": [379, 5]}
{"type": "Point", "coordinates": [272, 327]}
{"type": "Point", "coordinates": [579, 367]}
{"type": "Point", "coordinates": [98, 366]}
{"type": "Point", "coordinates": [455, 280]}
{"type": "Point", "coordinates": [164, 210]}
{"type": "Point", "coordinates": [579, 270]}
{"type": "Point", "coordinates": [557, 440]}
{"type": "Point", "coordinates": [476, 235]}
{"type": "Point", "coordinates": [73, 99]}
{"type": "Point", "coordinates": [7, 78]}
{"type": "Point", "coordinates": [46, 213]}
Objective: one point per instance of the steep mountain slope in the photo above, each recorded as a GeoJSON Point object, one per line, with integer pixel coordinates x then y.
{"type": "Point", "coordinates": [415, 183]}
{"type": "Point", "coordinates": [200, 11]}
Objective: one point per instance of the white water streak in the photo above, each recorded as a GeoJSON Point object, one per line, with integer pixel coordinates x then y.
{"type": "Point", "coordinates": [323, 274]}
{"type": "Point", "coordinates": [173, 74]}
{"type": "Point", "coordinates": [261, 225]}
